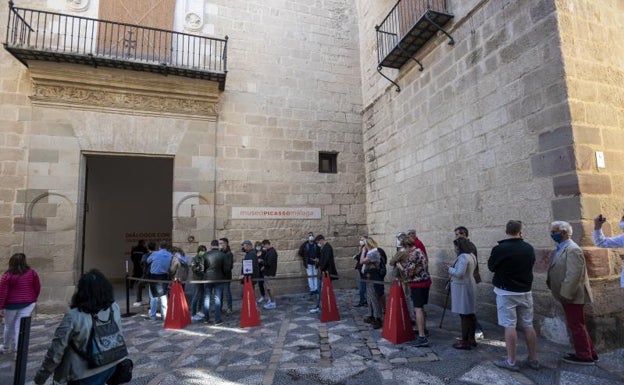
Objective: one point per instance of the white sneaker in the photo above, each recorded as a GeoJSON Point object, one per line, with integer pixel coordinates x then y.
{"type": "Point", "coordinates": [197, 318]}
{"type": "Point", "coordinates": [315, 310]}
{"type": "Point", "coordinates": [137, 304]}
{"type": "Point", "coordinates": [260, 300]}
{"type": "Point", "coordinates": [269, 305]}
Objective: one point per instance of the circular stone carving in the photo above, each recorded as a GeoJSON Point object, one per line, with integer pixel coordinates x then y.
{"type": "Point", "coordinates": [57, 208]}
{"type": "Point", "coordinates": [193, 22]}
{"type": "Point", "coordinates": [78, 5]}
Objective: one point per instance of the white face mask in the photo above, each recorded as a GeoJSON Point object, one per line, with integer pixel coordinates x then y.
{"type": "Point", "coordinates": [361, 243]}
{"type": "Point", "coordinates": [310, 238]}
{"type": "Point", "coordinates": [622, 225]}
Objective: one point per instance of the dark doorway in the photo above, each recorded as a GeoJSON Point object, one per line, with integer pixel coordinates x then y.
{"type": "Point", "coordinates": [127, 198]}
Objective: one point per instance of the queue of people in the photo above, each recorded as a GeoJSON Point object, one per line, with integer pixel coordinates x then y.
{"type": "Point", "coordinates": [511, 261]}
{"type": "Point", "coordinates": [164, 263]}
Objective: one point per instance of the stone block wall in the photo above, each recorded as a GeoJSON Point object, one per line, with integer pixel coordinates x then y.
{"type": "Point", "coordinates": [293, 90]}
{"type": "Point", "coordinates": [488, 132]}
{"type": "Point", "coordinates": [594, 71]}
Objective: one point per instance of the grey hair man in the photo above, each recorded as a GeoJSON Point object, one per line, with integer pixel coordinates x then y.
{"type": "Point", "coordinates": [569, 284]}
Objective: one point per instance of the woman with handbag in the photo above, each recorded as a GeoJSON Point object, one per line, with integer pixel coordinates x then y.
{"type": "Point", "coordinates": [71, 355]}
{"type": "Point", "coordinates": [464, 292]}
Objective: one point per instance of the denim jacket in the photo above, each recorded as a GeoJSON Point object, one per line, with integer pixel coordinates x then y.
{"type": "Point", "coordinates": [61, 358]}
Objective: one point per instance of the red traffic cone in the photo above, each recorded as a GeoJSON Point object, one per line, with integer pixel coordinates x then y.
{"type": "Point", "coordinates": [329, 308]}
{"type": "Point", "coordinates": [397, 327]}
{"type": "Point", "coordinates": [178, 315]}
{"type": "Point", "coordinates": [249, 311]}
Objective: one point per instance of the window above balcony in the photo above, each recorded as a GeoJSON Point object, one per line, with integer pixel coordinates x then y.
{"type": "Point", "coordinates": [34, 35]}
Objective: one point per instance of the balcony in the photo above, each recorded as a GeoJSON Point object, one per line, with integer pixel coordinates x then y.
{"type": "Point", "coordinates": [48, 36]}
{"type": "Point", "coordinates": [407, 28]}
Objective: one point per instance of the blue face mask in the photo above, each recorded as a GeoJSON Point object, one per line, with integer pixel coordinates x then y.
{"type": "Point", "coordinates": [556, 237]}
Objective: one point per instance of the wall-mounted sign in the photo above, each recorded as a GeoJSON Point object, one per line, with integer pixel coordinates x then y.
{"type": "Point", "coordinates": [276, 213]}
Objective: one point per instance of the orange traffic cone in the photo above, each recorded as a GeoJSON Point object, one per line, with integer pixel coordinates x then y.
{"type": "Point", "coordinates": [397, 327]}
{"type": "Point", "coordinates": [249, 311]}
{"type": "Point", "coordinates": [178, 315]}
{"type": "Point", "coordinates": [329, 308]}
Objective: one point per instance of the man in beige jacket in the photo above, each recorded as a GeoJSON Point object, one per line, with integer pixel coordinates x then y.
{"type": "Point", "coordinates": [569, 284]}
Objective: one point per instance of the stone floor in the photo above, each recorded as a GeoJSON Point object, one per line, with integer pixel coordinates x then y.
{"type": "Point", "coordinates": [292, 347]}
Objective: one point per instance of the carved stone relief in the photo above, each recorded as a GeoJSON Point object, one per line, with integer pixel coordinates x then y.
{"type": "Point", "coordinates": [78, 5]}
{"type": "Point", "coordinates": [194, 15]}
{"type": "Point", "coordinates": [123, 91]}
{"type": "Point", "coordinates": [165, 104]}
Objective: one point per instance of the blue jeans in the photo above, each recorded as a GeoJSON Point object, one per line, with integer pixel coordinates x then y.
{"type": "Point", "coordinates": [320, 290]}
{"type": "Point", "coordinates": [227, 293]}
{"type": "Point", "coordinates": [96, 379]}
{"type": "Point", "coordinates": [362, 290]}
{"type": "Point", "coordinates": [213, 292]}
{"type": "Point", "coordinates": [198, 298]}
{"type": "Point", "coordinates": [159, 291]}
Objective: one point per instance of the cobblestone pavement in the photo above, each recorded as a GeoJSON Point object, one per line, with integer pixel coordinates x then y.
{"type": "Point", "coordinates": [292, 347]}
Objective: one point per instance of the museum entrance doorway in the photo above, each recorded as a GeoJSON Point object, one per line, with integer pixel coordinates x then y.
{"type": "Point", "coordinates": [126, 198]}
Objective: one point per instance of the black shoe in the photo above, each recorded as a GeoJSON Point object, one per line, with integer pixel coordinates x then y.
{"type": "Point", "coordinates": [359, 305]}
{"type": "Point", "coordinates": [368, 320]}
{"type": "Point", "coordinates": [376, 323]}
{"type": "Point", "coordinates": [572, 355]}
{"type": "Point", "coordinates": [573, 359]}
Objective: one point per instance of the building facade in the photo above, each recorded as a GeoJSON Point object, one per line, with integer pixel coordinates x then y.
{"type": "Point", "coordinates": [228, 137]}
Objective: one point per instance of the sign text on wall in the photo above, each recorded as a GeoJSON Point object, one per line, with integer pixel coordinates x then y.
{"type": "Point", "coordinates": [276, 213]}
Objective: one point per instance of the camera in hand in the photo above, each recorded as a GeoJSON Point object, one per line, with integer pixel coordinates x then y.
{"type": "Point", "coordinates": [601, 218]}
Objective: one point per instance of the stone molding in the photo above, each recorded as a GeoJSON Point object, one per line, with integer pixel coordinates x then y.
{"type": "Point", "coordinates": [132, 92]}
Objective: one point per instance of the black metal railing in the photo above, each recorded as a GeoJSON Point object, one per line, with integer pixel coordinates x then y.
{"type": "Point", "coordinates": [41, 35]}
{"type": "Point", "coordinates": [401, 20]}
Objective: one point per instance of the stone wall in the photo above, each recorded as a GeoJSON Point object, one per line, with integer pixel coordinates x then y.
{"type": "Point", "coordinates": [487, 133]}
{"type": "Point", "coordinates": [293, 89]}
{"type": "Point", "coordinates": [594, 71]}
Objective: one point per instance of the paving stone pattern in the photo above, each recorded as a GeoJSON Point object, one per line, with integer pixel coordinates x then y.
{"type": "Point", "coordinates": [293, 347]}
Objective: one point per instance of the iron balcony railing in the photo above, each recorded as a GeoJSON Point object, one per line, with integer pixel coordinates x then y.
{"type": "Point", "coordinates": [408, 26]}
{"type": "Point", "coordinates": [40, 35]}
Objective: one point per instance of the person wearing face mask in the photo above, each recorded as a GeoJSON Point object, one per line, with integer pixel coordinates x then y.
{"type": "Point", "coordinates": [613, 242]}
{"type": "Point", "coordinates": [512, 262]}
{"type": "Point", "coordinates": [358, 267]}
{"type": "Point", "coordinates": [310, 252]}
{"type": "Point", "coordinates": [569, 284]}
